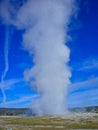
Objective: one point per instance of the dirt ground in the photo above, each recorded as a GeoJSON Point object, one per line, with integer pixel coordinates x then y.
{"type": "Point", "coordinates": [69, 121]}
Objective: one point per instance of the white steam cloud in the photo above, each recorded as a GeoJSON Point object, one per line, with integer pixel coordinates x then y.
{"type": "Point", "coordinates": [46, 33]}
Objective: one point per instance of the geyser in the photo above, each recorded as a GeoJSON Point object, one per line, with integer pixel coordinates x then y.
{"type": "Point", "coordinates": [46, 33]}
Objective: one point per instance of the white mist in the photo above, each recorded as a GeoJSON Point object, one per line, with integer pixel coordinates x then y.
{"type": "Point", "coordinates": [46, 33]}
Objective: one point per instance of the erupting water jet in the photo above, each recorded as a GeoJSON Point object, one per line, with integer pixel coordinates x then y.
{"type": "Point", "coordinates": [46, 33]}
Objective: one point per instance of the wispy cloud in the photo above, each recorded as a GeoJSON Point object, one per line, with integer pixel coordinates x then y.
{"type": "Point", "coordinates": [22, 100]}
{"type": "Point", "coordinates": [9, 83]}
{"type": "Point", "coordinates": [86, 98]}
{"type": "Point", "coordinates": [84, 93]}
{"type": "Point", "coordinates": [88, 64]}
{"type": "Point", "coordinates": [88, 84]}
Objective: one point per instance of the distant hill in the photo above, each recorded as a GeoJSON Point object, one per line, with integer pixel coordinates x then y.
{"type": "Point", "coordinates": [23, 111]}
{"type": "Point", "coordinates": [84, 109]}
{"type": "Point", "coordinates": [13, 111]}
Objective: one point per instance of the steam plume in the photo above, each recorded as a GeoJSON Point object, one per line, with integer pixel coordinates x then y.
{"type": "Point", "coordinates": [46, 33]}
{"type": "Point", "coordinates": [6, 53]}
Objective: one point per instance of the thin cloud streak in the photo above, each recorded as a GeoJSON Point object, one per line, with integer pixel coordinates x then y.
{"type": "Point", "coordinates": [90, 64]}
{"type": "Point", "coordinates": [83, 93]}
{"type": "Point", "coordinates": [87, 65]}
{"type": "Point", "coordinates": [85, 98]}
{"type": "Point", "coordinates": [8, 84]}
{"type": "Point", "coordinates": [21, 100]}
{"type": "Point", "coordinates": [88, 84]}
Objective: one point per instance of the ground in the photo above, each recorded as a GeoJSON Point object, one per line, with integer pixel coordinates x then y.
{"type": "Point", "coordinates": [69, 121]}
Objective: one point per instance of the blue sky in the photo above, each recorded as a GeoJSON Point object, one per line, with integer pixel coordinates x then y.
{"type": "Point", "coordinates": [83, 62]}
